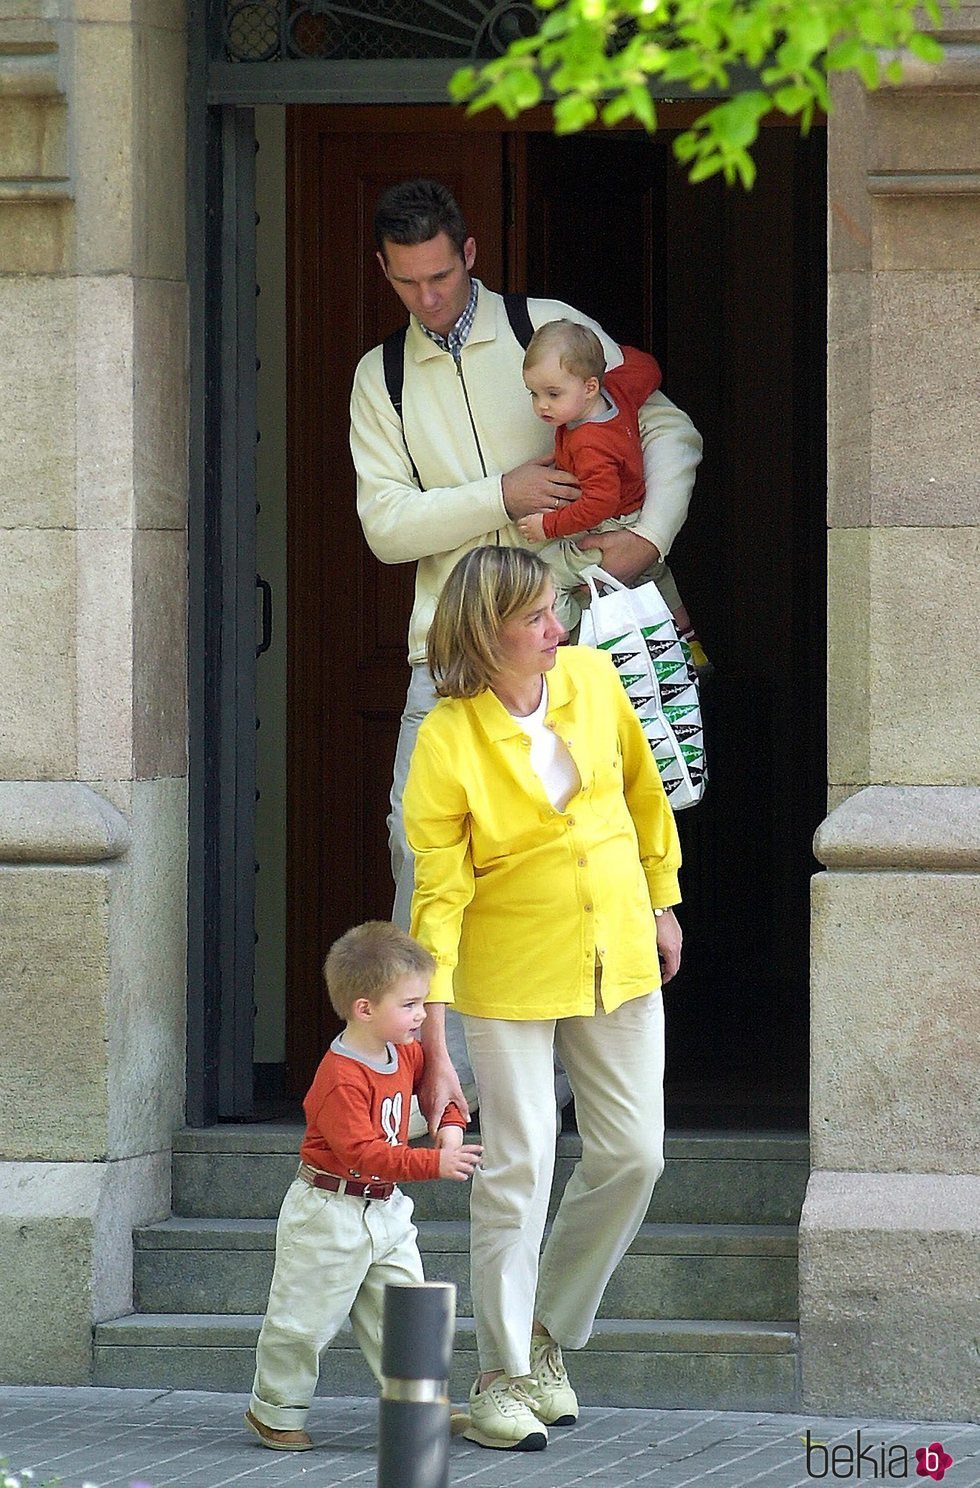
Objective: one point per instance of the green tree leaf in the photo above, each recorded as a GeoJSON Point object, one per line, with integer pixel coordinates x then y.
{"type": "Point", "coordinates": [792, 99]}
{"type": "Point", "coordinates": [573, 112]}
{"type": "Point", "coordinates": [610, 59]}
{"type": "Point", "coordinates": [869, 69]}
{"type": "Point", "coordinates": [926, 48]}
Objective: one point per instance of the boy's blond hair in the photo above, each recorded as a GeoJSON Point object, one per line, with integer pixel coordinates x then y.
{"type": "Point", "coordinates": [366, 960]}
{"type": "Point", "coordinates": [579, 349]}
{"type": "Point", "coordinates": [487, 586]}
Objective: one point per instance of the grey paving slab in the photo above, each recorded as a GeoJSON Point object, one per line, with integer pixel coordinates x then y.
{"type": "Point", "coordinates": [184, 1439]}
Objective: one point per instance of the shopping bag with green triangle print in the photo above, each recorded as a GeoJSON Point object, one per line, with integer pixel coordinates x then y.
{"type": "Point", "coordinates": [635, 628]}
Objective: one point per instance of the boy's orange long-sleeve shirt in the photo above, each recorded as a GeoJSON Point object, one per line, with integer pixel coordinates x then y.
{"type": "Point", "coordinates": [606, 457]}
{"type": "Point", "coordinates": [357, 1119]}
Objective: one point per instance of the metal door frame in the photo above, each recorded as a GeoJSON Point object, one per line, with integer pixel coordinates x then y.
{"type": "Point", "coordinates": [221, 600]}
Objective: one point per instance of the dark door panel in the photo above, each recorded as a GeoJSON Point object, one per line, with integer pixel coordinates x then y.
{"type": "Point", "coordinates": [727, 289]}
{"type": "Point", "coordinates": [348, 614]}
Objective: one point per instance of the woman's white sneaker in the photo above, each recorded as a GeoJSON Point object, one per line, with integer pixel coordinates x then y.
{"type": "Point", "coordinates": [549, 1389]}
{"type": "Point", "coordinates": [502, 1416]}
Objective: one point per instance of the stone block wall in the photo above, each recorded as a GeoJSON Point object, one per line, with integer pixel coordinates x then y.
{"type": "Point", "coordinates": [890, 1235]}
{"type": "Point", "coordinates": [93, 436]}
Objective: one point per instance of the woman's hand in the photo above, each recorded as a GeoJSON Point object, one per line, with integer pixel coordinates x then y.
{"type": "Point", "coordinates": [438, 1088]}
{"type": "Point", "coordinates": [669, 941]}
{"type": "Point", "coordinates": [439, 1084]}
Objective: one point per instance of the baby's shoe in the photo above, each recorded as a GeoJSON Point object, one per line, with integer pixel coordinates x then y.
{"type": "Point", "coordinates": [699, 659]}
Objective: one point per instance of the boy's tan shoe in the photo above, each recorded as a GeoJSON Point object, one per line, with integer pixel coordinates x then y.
{"type": "Point", "coordinates": [279, 1441]}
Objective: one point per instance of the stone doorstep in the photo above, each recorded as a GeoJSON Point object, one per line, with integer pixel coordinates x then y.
{"type": "Point", "coordinates": [264, 1138]}
{"type": "Point", "coordinates": [737, 1192]}
{"type": "Point", "coordinates": [710, 1177]}
{"type": "Point", "coordinates": [670, 1271]}
{"type": "Point", "coordinates": [678, 1365]}
{"type": "Point", "coordinates": [453, 1235]}
{"type": "Point", "coordinates": [710, 1364]}
{"type": "Point", "coordinates": [230, 1330]}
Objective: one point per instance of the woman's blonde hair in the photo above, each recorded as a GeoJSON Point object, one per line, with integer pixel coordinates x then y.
{"type": "Point", "coordinates": [487, 586]}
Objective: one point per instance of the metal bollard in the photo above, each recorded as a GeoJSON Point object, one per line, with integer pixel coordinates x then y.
{"type": "Point", "coordinates": [413, 1417]}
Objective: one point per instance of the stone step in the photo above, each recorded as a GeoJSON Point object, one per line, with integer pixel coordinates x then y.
{"type": "Point", "coordinates": [711, 1177]}
{"type": "Point", "coordinates": [683, 1364]}
{"type": "Point", "coordinates": [745, 1272]}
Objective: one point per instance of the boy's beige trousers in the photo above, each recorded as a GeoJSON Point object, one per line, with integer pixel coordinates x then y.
{"type": "Point", "coordinates": [334, 1255]}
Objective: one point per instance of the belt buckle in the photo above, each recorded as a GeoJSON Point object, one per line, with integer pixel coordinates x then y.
{"type": "Point", "coordinates": [366, 1192]}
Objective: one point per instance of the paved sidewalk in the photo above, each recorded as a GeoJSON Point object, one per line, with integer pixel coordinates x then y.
{"type": "Point", "coordinates": [194, 1440]}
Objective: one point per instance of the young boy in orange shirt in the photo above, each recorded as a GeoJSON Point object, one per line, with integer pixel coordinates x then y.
{"type": "Point", "coordinates": [345, 1229]}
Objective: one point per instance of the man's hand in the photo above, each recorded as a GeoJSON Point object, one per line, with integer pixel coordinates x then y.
{"type": "Point", "coordinates": [669, 940]}
{"type": "Point", "coordinates": [536, 486]}
{"type": "Point", "coordinates": [625, 554]}
{"type": "Point", "coordinates": [531, 528]}
{"type": "Point", "coordinates": [458, 1162]}
{"type": "Point", "coordinates": [438, 1088]}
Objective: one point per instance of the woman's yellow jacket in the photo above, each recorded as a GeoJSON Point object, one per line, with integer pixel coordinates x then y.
{"type": "Point", "coordinates": [515, 900]}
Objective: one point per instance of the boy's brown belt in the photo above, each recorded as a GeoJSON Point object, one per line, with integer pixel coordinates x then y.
{"type": "Point", "coordinates": [351, 1186]}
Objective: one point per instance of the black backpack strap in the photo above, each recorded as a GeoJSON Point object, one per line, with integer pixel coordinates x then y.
{"type": "Point", "coordinates": [393, 359]}
{"type": "Point", "coordinates": [520, 321]}
{"type": "Point", "coordinates": [393, 355]}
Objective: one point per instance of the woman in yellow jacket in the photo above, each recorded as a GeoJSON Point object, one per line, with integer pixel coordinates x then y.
{"type": "Point", "coordinates": [546, 861]}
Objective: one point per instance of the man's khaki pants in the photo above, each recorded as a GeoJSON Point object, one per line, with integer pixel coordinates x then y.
{"type": "Point", "coordinates": [334, 1256]}
{"type": "Point", "coordinates": [615, 1062]}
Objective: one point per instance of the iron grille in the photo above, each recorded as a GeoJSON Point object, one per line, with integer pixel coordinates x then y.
{"type": "Point", "coordinates": [371, 30]}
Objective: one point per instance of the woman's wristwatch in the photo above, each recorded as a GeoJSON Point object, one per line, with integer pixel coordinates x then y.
{"type": "Point", "coordinates": [659, 913]}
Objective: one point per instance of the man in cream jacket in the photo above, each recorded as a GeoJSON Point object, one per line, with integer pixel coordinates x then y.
{"type": "Point", "coordinates": [467, 457]}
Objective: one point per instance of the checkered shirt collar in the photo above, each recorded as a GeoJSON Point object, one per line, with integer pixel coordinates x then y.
{"type": "Point", "coordinates": [455, 341]}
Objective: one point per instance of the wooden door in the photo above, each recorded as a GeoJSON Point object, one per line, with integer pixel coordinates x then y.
{"type": "Point", "coordinates": [348, 614]}
{"type": "Point", "coordinates": [727, 288]}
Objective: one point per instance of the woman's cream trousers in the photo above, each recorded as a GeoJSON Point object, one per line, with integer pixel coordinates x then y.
{"type": "Point", "coordinates": [615, 1062]}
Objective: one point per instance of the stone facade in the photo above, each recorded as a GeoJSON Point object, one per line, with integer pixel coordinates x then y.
{"type": "Point", "coordinates": [890, 1234]}
{"type": "Point", "coordinates": [93, 433]}
{"type": "Point", "coordinates": [93, 397]}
